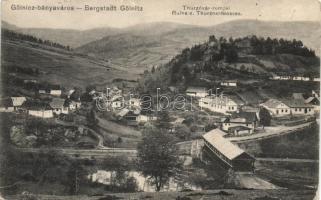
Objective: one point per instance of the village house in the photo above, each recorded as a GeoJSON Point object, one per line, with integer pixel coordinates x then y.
{"type": "Point", "coordinates": [72, 105]}
{"type": "Point", "coordinates": [58, 106]}
{"type": "Point", "coordinates": [287, 107]}
{"type": "Point", "coordinates": [38, 109]}
{"type": "Point", "coordinates": [229, 83]}
{"type": "Point", "coordinates": [134, 103]}
{"type": "Point", "coordinates": [315, 102]}
{"type": "Point", "coordinates": [197, 92]}
{"type": "Point", "coordinates": [240, 123]}
{"type": "Point", "coordinates": [229, 155]}
{"type": "Point", "coordinates": [221, 104]}
{"type": "Point", "coordinates": [17, 102]}
{"type": "Point", "coordinates": [54, 90]}
{"type": "Point", "coordinates": [6, 105]}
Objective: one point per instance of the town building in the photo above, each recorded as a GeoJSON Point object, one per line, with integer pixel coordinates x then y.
{"type": "Point", "coordinates": [197, 92]}
{"type": "Point", "coordinates": [287, 107]}
{"type": "Point", "coordinates": [221, 104]}
{"type": "Point", "coordinates": [229, 83]}
{"type": "Point", "coordinates": [240, 123]}
{"type": "Point", "coordinates": [55, 91]}
{"type": "Point", "coordinates": [72, 105]}
{"type": "Point", "coordinates": [228, 154]}
{"type": "Point", "coordinates": [58, 106]}
{"type": "Point", "coordinates": [134, 103]}
{"type": "Point", "coordinates": [18, 101]}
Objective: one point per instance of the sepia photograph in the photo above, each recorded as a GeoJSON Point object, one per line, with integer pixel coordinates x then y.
{"type": "Point", "coordinates": [160, 100]}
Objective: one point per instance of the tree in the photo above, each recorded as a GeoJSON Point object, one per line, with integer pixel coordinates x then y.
{"type": "Point", "coordinates": [157, 156]}
{"type": "Point", "coordinates": [182, 132]}
{"type": "Point", "coordinates": [265, 117]}
{"type": "Point", "coordinates": [163, 120]}
{"type": "Point", "coordinates": [91, 118]}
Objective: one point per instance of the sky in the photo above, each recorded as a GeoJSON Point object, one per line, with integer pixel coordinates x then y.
{"type": "Point", "coordinates": [154, 11]}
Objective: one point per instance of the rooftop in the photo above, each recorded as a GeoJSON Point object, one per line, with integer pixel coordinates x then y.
{"type": "Point", "coordinates": [228, 149]}
{"type": "Point", "coordinates": [196, 89]}
{"type": "Point", "coordinates": [57, 103]}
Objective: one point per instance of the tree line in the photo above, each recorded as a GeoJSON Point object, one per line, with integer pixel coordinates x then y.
{"type": "Point", "coordinates": [7, 34]}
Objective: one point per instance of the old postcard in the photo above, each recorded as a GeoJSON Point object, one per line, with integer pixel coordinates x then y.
{"type": "Point", "coordinates": [164, 100]}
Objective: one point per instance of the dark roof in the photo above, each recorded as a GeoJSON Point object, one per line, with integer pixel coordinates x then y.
{"type": "Point", "coordinates": [57, 103]}
{"type": "Point", "coordinates": [297, 95]}
{"type": "Point", "coordinates": [238, 128]}
{"type": "Point", "coordinates": [248, 116]}
{"type": "Point", "coordinates": [36, 105]}
{"type": "Point", "coordinates": [296, 103]}
{"type": "Point", "coordinates": [7, 102]}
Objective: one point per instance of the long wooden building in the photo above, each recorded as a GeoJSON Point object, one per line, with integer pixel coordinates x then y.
{"type": "Point", "coordinates": [229, 154]}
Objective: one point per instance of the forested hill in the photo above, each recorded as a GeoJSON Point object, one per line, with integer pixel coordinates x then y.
{"type": "Point", "coordinates": [12, 35]}
{"type": "Point", "coordinates": [228, 58]}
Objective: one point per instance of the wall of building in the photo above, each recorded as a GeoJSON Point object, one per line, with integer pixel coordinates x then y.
{"type": "Point", "coordinates": [41, 113]}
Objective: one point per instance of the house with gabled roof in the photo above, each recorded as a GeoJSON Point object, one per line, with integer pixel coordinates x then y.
{"type": "Point", "coordinates": [197, 92]}
{"type": "Point", "coordinates": [287, 107]}
{"type": "Point", "coordinates": [38, 109]}
{"type": "Point", "coordinates": [58, 106]}
{"type": "Point", "coordinates": [228, 154]}
{"type": "Point", "coordinates": [221, 104]}
{"type": "Point", "coordinates": [240, 123]}
{"type": "Point", "coordinates": [18, 101]}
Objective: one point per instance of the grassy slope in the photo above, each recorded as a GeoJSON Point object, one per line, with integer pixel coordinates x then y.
{"type": "Point", "coordinates": [60, 67]}
{"type": "Point", "coordinates": [210, 195]}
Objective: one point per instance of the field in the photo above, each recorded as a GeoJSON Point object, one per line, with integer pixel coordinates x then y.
{"type": "Point", "coordinates": [57, 67]}
{"type": "Point", "coordinates": [306, 145]}
{"type": "Point", "coordinates": [208, 194]}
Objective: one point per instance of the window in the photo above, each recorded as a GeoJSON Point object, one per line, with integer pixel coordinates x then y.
{"type": "Point", "coordinates": [300, 109]}
{"type": "Point", "coordinates": [282, 110]}
{"type": "Point", "coordinates": [296, 109]}
{"type": "Point", "coordinates": [286, 110]}
{"type": "Point", "coordinates": [232, 107]}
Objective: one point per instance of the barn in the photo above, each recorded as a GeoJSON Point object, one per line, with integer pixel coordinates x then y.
{"type": "Point", "coordinates": [228, 154]}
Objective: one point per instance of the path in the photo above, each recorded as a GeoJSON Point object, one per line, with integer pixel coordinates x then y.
{"type": "Point", "coordinates": [251, 181]}
{"type": "Point", "coordinates": [85, 153]}
{"type": "Point", "coordinates": [293, 160]}
{"type": "Point", "coordinates": [270, 132]}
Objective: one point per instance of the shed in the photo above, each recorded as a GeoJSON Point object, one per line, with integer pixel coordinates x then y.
{"type": "Point", "coordinates": [228, 153]}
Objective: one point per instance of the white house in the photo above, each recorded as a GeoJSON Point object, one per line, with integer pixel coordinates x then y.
{"type": "Point", "coordinates": [18, 101]}
{"type": "Point", "coordinates": [117, 104]}
{"type": "Point", "coordinates": [55, 92]}
{"type": "Point", "coordinates": [58, 106]}
{"type": "Point", "coordinates": [287, 107]}
{"type": "Point", "coordinates": [197, 92]}
{"type": "Point", "coordinates": [239, 123]}
{"type": "Point", "coordinates": [134, 103]}
{"type": "Point", "coordinates": [145, 118]}
{"type": "Point", "coordinates": [40, 112]}
{"type": "Point", "coordinates": [221, 104]}
{"type": "Point", "coordinates": [229, 83]}
{"type": "Point", "coordinates": [315, 102]}
{"type": "Point", "coordinates": [73, 105]}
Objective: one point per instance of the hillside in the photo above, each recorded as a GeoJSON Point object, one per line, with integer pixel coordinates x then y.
{"type": "Point", "coordinates": [21, 59]}
{"type": "Point", "coordinates": [244, 59]}
{"type": "Point", "coordinates": [147, 52]}
{"type": "Point", "coordinates": [145, 45]}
